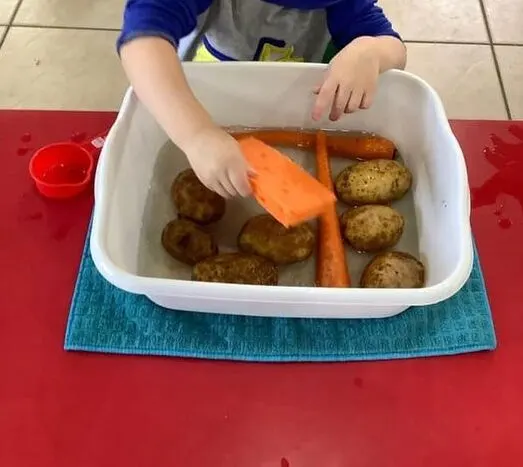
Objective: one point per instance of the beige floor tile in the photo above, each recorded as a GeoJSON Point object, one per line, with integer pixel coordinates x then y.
{"type": "Point", "coordinates": [6, 10]}
{"type": "Point", "coordinates": [510, 61]}
{"type": "Point", "coordinates": [442, 20]}
{"type": "Point", "coordinates": [463, 75]}
{"type": "Point", "coordinates": [505, 18]}
{"type": "Point", "coordinates": [60, 69]}
{"type": "Point", "coordinates": [71, 13]}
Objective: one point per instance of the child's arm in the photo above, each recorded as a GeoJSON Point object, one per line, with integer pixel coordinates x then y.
{"type": "Point", "coordinates": [368, 46]}
{"type": "Point", "coordinates": [157, 77]}
{"type": "Point", "coordinates": [391, 51]}
{"type": "Point", "coordinates": [147, 49]}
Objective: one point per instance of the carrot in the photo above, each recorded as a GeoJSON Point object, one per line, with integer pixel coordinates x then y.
{"type": "Point", "coordinates": [361, 146]}
{"type": "Point", "coordinates": [282, 187]}
{"type": "Point", "coordinates": [285, 138]}
{"type": "Point", "coordinates": [331, 263]}
{"type": "Point", "coordinates": [351, 146]}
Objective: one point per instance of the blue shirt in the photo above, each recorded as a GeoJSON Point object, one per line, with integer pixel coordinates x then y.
{"type": "Point", "coordinates": [345, 20]}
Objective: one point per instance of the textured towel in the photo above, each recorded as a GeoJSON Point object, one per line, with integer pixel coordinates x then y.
{"type": "Point", "coordinates": [105, 319]}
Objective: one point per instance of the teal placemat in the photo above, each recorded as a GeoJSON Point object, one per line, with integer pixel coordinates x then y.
{"type": "Point", "coordinates": [105, 319]}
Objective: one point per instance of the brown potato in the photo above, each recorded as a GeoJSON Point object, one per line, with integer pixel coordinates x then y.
{"type": "Point", "coordinates": [393, 269]}
{"type": "Point", "coordinates": [187, 242]}
{"type": "Point", "coordinates": [264, 236]}
{"type": "Point", "coordinates": [236, 268]}
{"type": "Point", "coordinates": [372, 227]}
{"type": "Point", "coordinates": [378, 181]}
{"type": "Point", "coordinates": [194, 201]}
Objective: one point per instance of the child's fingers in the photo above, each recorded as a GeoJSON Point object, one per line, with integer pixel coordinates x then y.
{"type": "Point", "coordinates": [215, 185]}
{"type": "Point", "coordinates": [368, 98]}
{"type": "Point", "coordinates": [240, 181]}
{"type": "Point", "coordinates": [324, 99]}
{"type": "Point", "coordinates": [316, 90]}
{"type": "Point", "coordinates": [366, 102]}
{"type": "Point", "coordinates": [212, 184]}
{"type": "Point", "coordinates": [354, 102]}
{"type": "Point", "coordinates": [341, 100]}
{"type": "Point", "coordinates": [228, 187]}
{"type": "Point", "coordinates": [217, 188]}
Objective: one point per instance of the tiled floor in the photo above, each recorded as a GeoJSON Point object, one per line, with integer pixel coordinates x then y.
{"type": "Point", "coordinates": [60, 53]}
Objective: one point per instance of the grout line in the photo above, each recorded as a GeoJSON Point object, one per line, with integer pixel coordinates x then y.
{"type": "Point", "coordinates": [81, 28]}
{"type": "Point", "coordinates": [502, 84]}
{"type": "Point", "coordinates": [407, 41]}
{"type": "Point", "coordinates": [508, 44]}
{"type": "Point", "coordinates": [14, 12]}
{"type": "Point", "coordinates": [446, 42]}
{"type": "Point", "coordinates": [4, 36]}
{"type": "Point", "coordinates": [443, 42]}
{"type": "Point", "coordinates": [495, 58]}
{"type": "Point", "coordinates": [10, 22]}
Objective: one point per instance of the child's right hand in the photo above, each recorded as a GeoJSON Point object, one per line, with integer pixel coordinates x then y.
{"type": "Point", "coordinates": [214, 155]}
{"type": "Point", "coordinates": [218, 162]}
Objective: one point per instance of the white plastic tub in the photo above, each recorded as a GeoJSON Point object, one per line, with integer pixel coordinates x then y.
{"type": "Point", "coordinates": [406, 110]}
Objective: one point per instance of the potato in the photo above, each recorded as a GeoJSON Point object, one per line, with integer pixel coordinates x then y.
{"type": "Point", "coordinates": [378, 181]}
{"type": "Point", "coordinates": [265, 236]}
{"type": "Point", "coordinates": [194, 201]}
{"type": "Point", "coordinates": [236, 268]}
{"type": "Point", "coordinates": [187, 242]}
{"type": "Point", "coordinates": [393, 269]}
{"type": "Point", "coordinates": [372, 227]}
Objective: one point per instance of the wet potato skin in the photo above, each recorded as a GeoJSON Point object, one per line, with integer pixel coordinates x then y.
{"type": "Point", "coordinates": [371, 227]}
{"type": "Point", "coordinates": [236, 268]}
{"type": "Point", "coordinates": [265, 236]}
{"type": "Point", "coordinates": [187, 242]}
{"type": "Point", "coordinates": [393, 270]}
{"type": "Point", "coordinates": [194, 201]}
{"type": "Point", "coordinates": [377, 181]}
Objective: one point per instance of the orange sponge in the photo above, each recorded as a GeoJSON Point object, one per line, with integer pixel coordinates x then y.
{"type": "Point", "coordinates": [289, 193]}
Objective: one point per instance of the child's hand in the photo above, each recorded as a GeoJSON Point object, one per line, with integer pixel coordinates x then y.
{"type": "Point", "coordinates": [351, 80]}
{"type": "Point", "coordinates": [217, 160]}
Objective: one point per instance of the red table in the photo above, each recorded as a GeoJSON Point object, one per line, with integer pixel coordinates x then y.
{"type": "Point", "coordinates": [90, 410]}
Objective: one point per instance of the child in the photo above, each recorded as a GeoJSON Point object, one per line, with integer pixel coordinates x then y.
{"type": "Point", "coordinates": [156, 31]}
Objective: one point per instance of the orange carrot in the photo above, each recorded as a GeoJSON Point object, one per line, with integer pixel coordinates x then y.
{"type": "Point", "coordinates": [331, 263]}
{"type": "Point", "coordinates": [284, 188]}
{"type": "Point", "coordinates": [285, 138]}
{"type": "Point", "coordinates": [350, 146]}
{"type": "Point", "coordinates": [361, 146]}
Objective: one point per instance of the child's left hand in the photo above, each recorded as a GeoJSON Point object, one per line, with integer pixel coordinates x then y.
{"type": "Point", "coordinates": [351, 80]}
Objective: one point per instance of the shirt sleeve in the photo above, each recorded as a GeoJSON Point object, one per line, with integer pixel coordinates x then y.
{"type": "Point", "coordinates": [350, 19]}
{"type": "Point", "coordinates": [169, 19]}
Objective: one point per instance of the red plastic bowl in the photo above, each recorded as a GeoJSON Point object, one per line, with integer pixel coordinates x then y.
{"type": "Point", "coordinates": [61, 170]}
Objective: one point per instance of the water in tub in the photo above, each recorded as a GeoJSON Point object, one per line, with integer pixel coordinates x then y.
{"type": "Point", "coordinates": [153, 260]}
